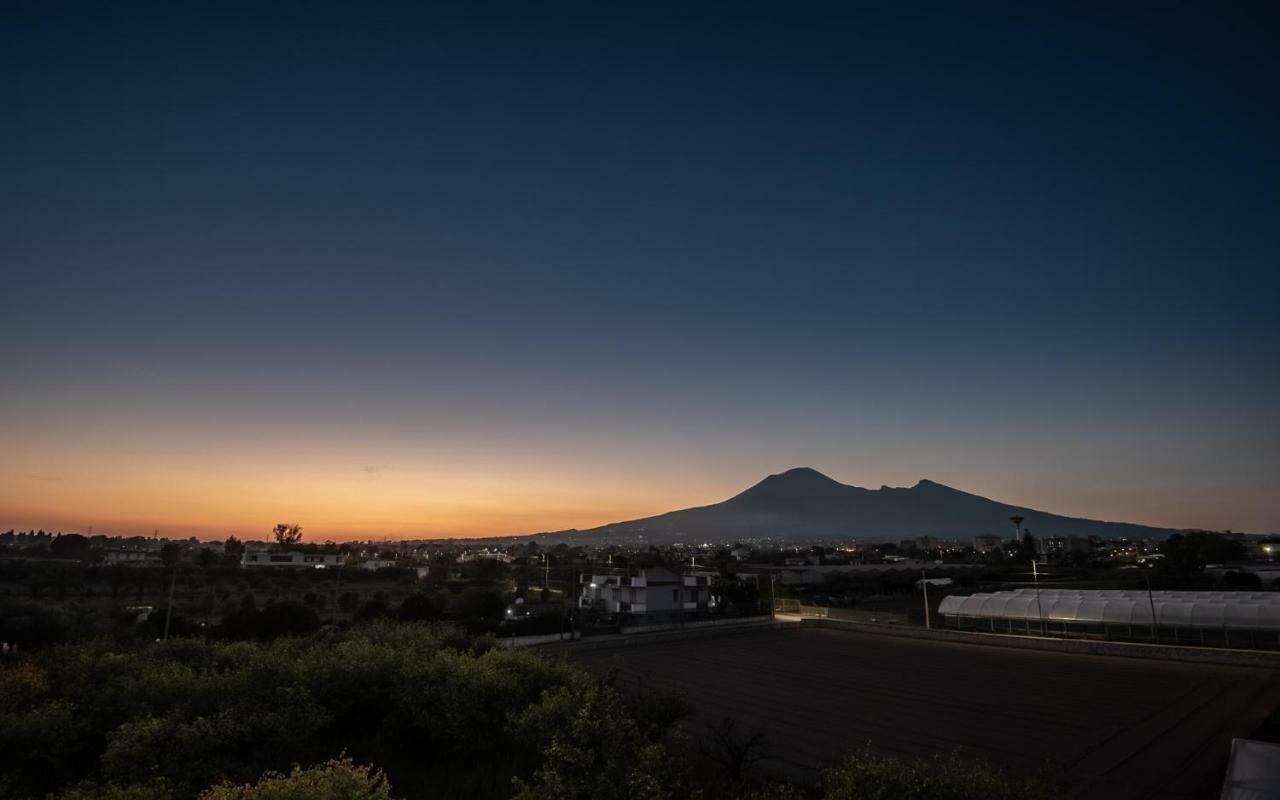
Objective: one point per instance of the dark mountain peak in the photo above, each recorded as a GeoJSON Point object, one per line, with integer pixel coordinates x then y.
{"type": "Point", "coordinates": [799, 476]}
{"type": "Point", "coordinates": [790, 486]}
{"type": "Point", "coordinates": [802, 503]}
{"type": "Point", "coordinates": [926, 484]}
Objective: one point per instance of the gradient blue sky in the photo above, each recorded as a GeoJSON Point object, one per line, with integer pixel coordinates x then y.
{"type": "Point", "coordinates": [480, 269]}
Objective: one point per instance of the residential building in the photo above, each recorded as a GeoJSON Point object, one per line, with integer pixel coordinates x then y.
{"type": "Point", "coordinates": [1060, 546]}
{"type": "Point", "coordinates": [986, 544]}
{"type": "Point", "coordinates": [647, 591]}
{"type": "Point", "coordinates": [295, 559]}
{"type": "Point", "coordinates": [134, 557]}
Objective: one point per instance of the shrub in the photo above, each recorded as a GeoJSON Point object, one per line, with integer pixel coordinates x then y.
{"type": "Point", "coordinates": [866, 776]}
{"type": "Point", "coordinates": [418, 608]}
{"type": "Point", "coordinates": [593, 749]}
{"type": "Point", "coordinates": [338, 779]}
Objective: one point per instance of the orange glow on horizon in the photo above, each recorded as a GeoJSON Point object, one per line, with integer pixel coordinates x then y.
{"type": "Point", "coordinates": [336, 494]}
{"type": "Point", "coordinates": [366, 503]}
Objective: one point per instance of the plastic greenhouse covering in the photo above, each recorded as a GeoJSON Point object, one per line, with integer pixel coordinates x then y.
{"type": "Point", "coordinates": [1231, 610]}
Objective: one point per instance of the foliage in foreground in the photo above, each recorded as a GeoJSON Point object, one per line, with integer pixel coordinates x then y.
{"type": "Point", "coordinates": [598, 749]}
{"type": "Point", "coordinates": [187, 715]}
{"type": "Point", "coordinates": [867, 776]}
{"type": "Point", "coordinates": [444, 714]}
{"type": "Point", "coordinates": [337, 779]}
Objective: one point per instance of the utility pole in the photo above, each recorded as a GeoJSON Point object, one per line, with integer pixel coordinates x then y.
{"type": "Point", "coordinates": [924, 587]}
{"type": "Point", "coordinates": [773, 599]}
{"type": "Point", "coordinates": [1155, 635]}
{"type": "Point", "coordinates": [168, 614]}
{"type": "Point", "coordinates": [1039, 609]}
{"type": "Point", "coordinates": [337, 595]}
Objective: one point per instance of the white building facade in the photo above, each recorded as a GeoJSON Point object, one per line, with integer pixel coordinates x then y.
{"type": "Point", "coordinates": [648, 591]}
{"type": "Point", "coordinates": [292, 559]}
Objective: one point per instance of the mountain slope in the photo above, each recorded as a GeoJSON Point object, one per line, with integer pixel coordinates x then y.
{"type": "Point", "coordinates": [803, 503]}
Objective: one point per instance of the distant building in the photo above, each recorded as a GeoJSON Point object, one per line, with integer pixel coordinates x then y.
{"type": "Point", "coordinates": [485, 555]}
{"type": "Point", "coordinates": [986, 544]}
{"type": "Point", "coordinates": [134, 557]}
{"type": "Point", "coordinates": [1060, 546]}
{"type": "Point", "coordinates": [1125, 549]}
{"type": "Point", "coordinates": [375, 564]}
{"type": "Point", "coordinates": [292, 559]}
{"type": "Point", "coordinates": [648, 591]}
{"type": "Point", "coordinates": [927, 542]}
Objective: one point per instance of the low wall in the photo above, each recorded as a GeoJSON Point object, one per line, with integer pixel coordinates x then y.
{"type": "Point", "coordinates": [651, 633]}
{"type": "Point", "coordinates": [628, 630]}
{"type": "Point", "coordinates": [1160, 652]}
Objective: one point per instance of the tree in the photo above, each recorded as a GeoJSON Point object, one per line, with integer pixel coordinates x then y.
{"type": "Point", "coordinates": [1029, 548]}
{"type": "Point", "coordinates": [287, 535]}
{"type": "Point", "coordinates": [418, 608]}
{"type": "Point", "coordinates": [482, 604]}
{"type": "Point", "coordinates": [1186, 553]}
{"type": "Point", "coordinates": [169, 553]}
{"type": "Point", "coordinates": [594, 749]}
{"type": "Point", "coordinates": [206, 558]}
{"type": "Point", "coordinates": [232, 551]}
{"type": "Point", "coordinates": [71, 545]}
{"type": "Point", "coordinates": [737, 754]}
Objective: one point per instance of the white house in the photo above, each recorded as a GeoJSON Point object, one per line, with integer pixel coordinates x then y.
{"type": "Point", "coordinates": [647, 591]}
{"type": "Point", "coordinates": [292, 559]}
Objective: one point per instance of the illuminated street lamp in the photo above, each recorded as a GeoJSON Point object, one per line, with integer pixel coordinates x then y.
{"type": "Point", "coordinates": [1035, 576]}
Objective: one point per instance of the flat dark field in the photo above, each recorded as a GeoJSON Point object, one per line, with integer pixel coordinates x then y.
{"type": "Point", "coordinates": [1101, 727]}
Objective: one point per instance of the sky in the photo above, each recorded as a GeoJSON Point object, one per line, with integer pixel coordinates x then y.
{"type": "Point", "coordinates": [469, 269]}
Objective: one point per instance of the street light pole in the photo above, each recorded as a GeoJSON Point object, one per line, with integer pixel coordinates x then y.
{"type": "Point", "coordinates": [924, 587]}
{"type": "Point", "coordinates": [1039, 609]}
{"type": "Point", "coordinates": [1155, 635]}
{"type": "Point", "coordinates": [773, 599]}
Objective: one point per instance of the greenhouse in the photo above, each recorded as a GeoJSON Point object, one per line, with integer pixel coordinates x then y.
{"type": "Point", "coordinates": [1230, 618]}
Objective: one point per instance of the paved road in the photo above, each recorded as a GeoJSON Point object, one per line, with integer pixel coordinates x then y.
{"type": "Point", "coordinates": [1101, 726]}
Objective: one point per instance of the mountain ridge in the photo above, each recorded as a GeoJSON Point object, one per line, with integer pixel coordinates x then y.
{"type": "Point", "coordinates": [803, 503]}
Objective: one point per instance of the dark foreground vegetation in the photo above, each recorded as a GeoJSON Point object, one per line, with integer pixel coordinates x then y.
{"type": "Point", "coordinates": [382, 709]}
